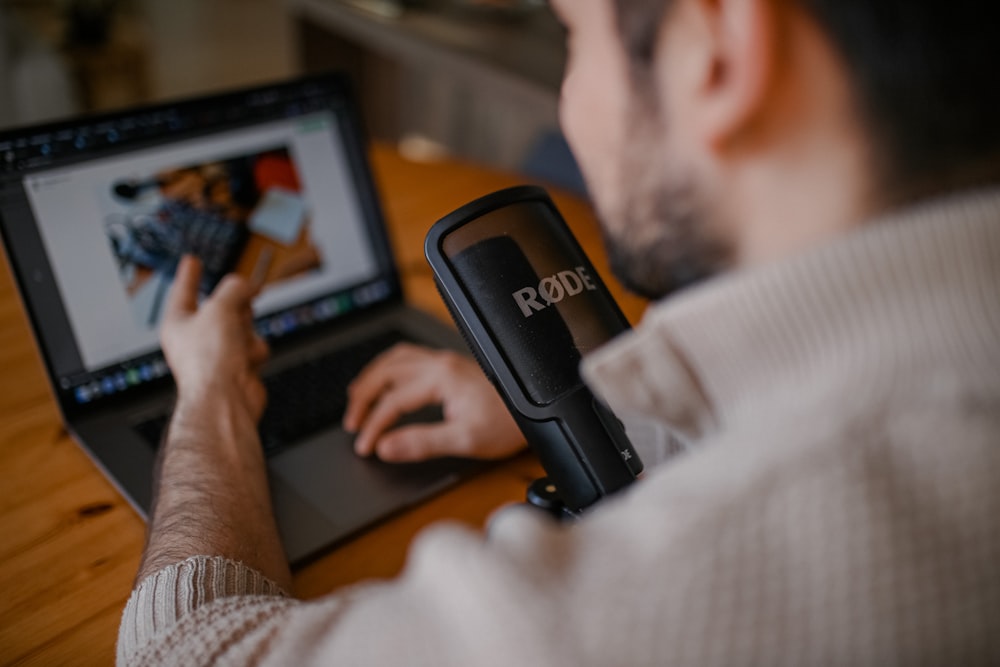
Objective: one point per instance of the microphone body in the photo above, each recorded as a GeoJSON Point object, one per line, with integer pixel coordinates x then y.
{"type": "Point", "coordinates": [529, 304]}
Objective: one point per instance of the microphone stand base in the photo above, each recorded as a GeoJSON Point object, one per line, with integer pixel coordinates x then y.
{"type": "Point", "coordinates": [544, 495]}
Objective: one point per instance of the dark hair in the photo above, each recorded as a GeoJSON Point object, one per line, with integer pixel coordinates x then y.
{"type": "Point", "coordinates": [923, 73]}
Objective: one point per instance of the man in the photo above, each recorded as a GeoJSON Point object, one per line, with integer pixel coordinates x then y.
{"type": "Point", "coordinates": [838, 388]}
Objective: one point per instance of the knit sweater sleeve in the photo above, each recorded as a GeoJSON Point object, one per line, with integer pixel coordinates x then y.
{"type": "Point", "coordinates": [718, 559]}
{"type": "Point", "coordinates": [166, 597]}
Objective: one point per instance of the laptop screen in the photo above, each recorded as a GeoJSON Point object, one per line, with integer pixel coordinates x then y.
{"type": "Point", "coordinates": [270, 184]}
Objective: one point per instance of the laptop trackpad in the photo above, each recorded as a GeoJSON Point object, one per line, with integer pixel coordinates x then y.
{"type": "Point", "coordinates": [303, 529]}
{"type": "Point", "coordinates": [352, 492]}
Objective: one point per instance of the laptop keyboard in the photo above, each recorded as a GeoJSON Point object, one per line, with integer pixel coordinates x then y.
{"type": "Point", "coordinates": [303, 399]}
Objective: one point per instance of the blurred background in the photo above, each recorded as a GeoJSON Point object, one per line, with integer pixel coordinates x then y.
{"type": "Point", "coordinates": [472, 79]}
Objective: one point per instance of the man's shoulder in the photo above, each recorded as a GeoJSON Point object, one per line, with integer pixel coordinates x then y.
{"type": "Point", "coordinates": [932, 444]}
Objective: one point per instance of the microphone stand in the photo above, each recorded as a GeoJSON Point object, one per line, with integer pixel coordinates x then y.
{"type": "Point", "coordinates": [543, 495]}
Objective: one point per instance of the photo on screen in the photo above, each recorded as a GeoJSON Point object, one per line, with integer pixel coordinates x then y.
{"type": "Point", "coordinates": [246, 214]}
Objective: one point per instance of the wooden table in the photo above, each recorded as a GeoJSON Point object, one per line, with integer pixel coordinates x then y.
{"type": "Point", "coordinates": [70, 545]}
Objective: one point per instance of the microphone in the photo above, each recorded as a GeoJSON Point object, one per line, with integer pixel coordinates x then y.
{"type": "Point", "coordinates": [529, 304]}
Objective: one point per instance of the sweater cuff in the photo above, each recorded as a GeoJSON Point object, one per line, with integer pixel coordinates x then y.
{"type": "Point", "coordinates": [163, 598]}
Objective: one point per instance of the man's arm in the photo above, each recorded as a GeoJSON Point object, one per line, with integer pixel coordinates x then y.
{"type": "Point", "coordinates": [212, 496]}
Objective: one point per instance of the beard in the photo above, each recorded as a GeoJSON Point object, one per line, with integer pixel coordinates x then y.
{"type": "Point", "coordinates": [661, 241]}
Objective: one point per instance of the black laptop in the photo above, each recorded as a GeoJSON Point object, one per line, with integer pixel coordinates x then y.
{"type": "Point", "coordinates": [271, 183]}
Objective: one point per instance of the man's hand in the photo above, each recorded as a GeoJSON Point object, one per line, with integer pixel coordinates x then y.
{"type": "Point", "coordinates": [213, 349]}
{"type": "Point", "coordinates": [407, 378]}
{"type": "Point", "coordinates": [212, 496]}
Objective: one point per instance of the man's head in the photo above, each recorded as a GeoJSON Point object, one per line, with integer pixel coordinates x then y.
{"type": "Point", "coordinates": [721, 132]}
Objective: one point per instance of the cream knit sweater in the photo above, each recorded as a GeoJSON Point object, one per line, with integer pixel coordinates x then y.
{"type": "Point", "coordinates": [841, 505]}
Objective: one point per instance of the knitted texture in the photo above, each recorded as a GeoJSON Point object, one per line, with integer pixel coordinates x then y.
{"type": "Point", "coordinates": [836, 504]}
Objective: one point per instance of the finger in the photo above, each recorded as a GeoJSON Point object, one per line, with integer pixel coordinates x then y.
{"type": "Point", "coordinates": [394, 366]}
{"type": "Point", "coordinates": [258, 397]}
{"type": "Point", "coordinates": [420, 442]}
{"type": "Point", "coordinates": [247, 319]}
{"type": "Point", "coordinates": [183, 296]}
{"type": "Point", "coordinates": [259, 350]}
{"type": "Point", "coordinates": [387, 411]}
{"type": "Point", "coordinates": [233, 292]}
{"type": "Point", "coordinates": [362, 394]}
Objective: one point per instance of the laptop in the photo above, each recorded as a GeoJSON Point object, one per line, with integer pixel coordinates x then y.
{"type": "Point", "coordinates": [271, 183]}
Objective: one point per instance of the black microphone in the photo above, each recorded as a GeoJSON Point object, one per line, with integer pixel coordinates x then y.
{"type": "Point", "coordinates": [529, 304]}
{"type": "Point", "coordinates": [504, 287]}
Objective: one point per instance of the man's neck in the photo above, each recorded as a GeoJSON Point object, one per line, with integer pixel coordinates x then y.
{"type": "Point", "coordinates": [801, 198]}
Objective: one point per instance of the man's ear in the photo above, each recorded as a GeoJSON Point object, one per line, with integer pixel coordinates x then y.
{"type": "Point", "coordinates": [721, 57]}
